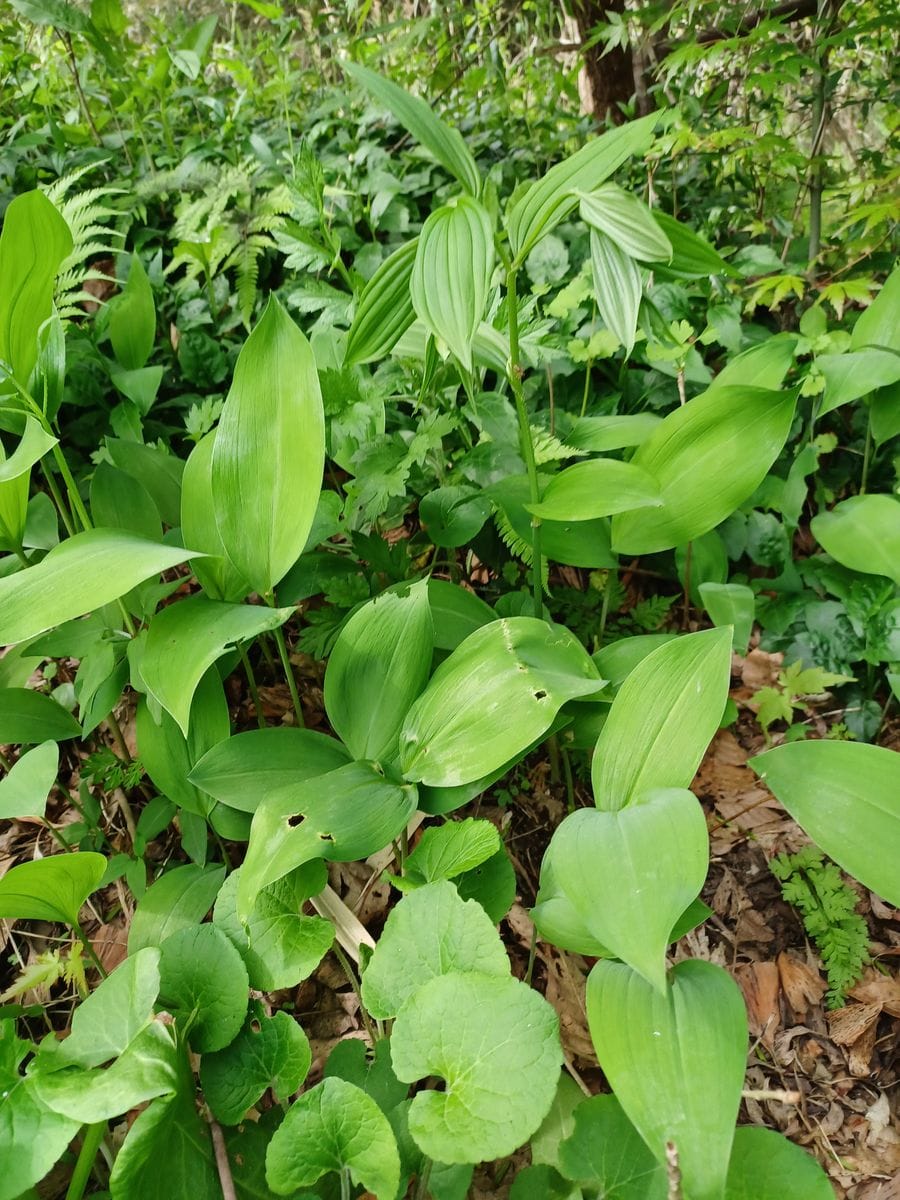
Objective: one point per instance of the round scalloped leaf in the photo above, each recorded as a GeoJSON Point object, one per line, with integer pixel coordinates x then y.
{"type": "Point", "coordinates": [204, 983]}
{"type": "Point", "coordinates": [605, 1148]}
{"type": "Point", "coordinates": [269, 1052]}
{"type": "Point", "coordinates": [496, 1044]}
{"type": "Point", "coordinates": [766, 1166]}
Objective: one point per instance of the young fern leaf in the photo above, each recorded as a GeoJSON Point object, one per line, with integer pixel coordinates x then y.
{"type": "Point", "coordinates": [85, 213]}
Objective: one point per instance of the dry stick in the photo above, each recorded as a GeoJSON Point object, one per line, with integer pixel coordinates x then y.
{"type": "Point", "coordinates": [673, 1172]}
{"type": "Point", "coordinates": [779, 1094]}
{"type": "Point", "coordinates": [223, 1166]}
{"type": "Point", "coordinates": [73, 67]}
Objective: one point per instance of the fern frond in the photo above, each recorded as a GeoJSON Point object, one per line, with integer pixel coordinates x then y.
{"type": "Point", "coordinates": [517, 546]}
{"type": "Point", "coordinates": [548, 448]}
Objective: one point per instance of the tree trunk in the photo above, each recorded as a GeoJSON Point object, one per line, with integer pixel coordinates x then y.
{"type": "Point", "coordinates": [610, 77]}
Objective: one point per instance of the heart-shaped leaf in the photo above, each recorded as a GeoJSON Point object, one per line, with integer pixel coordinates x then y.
{"type": "Point", "coordinates": [203, 983]}
{"type": "Point", "coordinates": [50, 889]}
{"type": "Point", "coordinates": [606, 1149]}
{"type": "Point", "coordinates": [24, 791]}
{"type": "Point", "coordinates": [269, 1052]}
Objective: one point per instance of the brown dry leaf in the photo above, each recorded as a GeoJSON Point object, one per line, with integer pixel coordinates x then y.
{"type": "Point", "coordinates": [759, 983]}
{"type": "Point", "coordinates": [859, 1055]}
{"type": "Point", "coordinates": [847, 1025]}
{"type": "Point", "coordinates": [881, 1189]}
{"type": "Point", "coordinates": [876, 988]}
{"type": "Point", "coordinates": [520, 925]}
{"type": "Point", "coordinates": [110, 944]}
{"type": "Point", "coordinates": [802, 985]}
{"type": "Point", "coordinates": [730, 898]}
{"type": "Point", "coordinates": [566, 976]}
{"type": "Point", "coordinates": [759, 669]}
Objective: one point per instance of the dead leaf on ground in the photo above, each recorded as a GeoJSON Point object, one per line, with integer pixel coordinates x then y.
{"type": "Point", "coordinates": [566, 978]}
{"type": "Point", "coordinates": [802, 985]}
{"type": "Point", "coordinates": [875, 988]}
{"type": "Point", "coordinates": [758, 669]}
{"type": "Point", "coordinates": [760, 985]}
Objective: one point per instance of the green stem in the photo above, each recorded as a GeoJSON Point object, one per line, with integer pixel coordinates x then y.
{"type": "Point", "coordinates": [570, 782]}
{"type": "Point", "coordinates": [867, 454]}
{"type": "Point", "coordinates": [5, 763]}
{"type": "Point", "coordinates": [93, 1136]}
{"type": "Point", "coordinates": [345, 1183]}
{"type": "Point", "coordinates": [19, 552]}
{"type": "Point", "coordinates": [61, 507]}
{"type": "Point", "coordinates": [526, 442]}
{"type": "Point", "coordinates": [289, 675]}
{"type": "Point", "coordinates": [89, 950]}
{"type": "Point", "coordinates": [251, 683]}
{"type": "Point", "coordinates": [424, 1179]}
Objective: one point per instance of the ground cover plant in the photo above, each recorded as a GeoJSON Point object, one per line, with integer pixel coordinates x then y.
{"type": "Point", "coordinates": [448, 565]}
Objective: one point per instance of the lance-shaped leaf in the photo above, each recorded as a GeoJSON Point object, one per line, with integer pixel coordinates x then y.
{"type": "Point", "coordinates": [186, 638]}
{"type": "Point", "coordinates": [675, 1061]}
{"type": "Point", "coordinates": [33, 445]}
{"type": "Point", "coordinates": [617, 288]}
{"type": "Point", "coordinates": [177, 900]}
{"type": "Point", "coordinates": [731, 604]}
{"type": "Point", "coordinates": [132, 318]}
{"type": "Point", "coordinates": [384, 311]}
{"type": "Point", "coordinates": [269, 451]}
{"type": "Point", "coordinates": [849, 376]}
{"type": "Point", "coordinates": [495, 694]}
{"type": "Point", "coordinates": [762, 366]}
{"type": "Point", "coordinates": [597, 434]}
{"type": "Point", "coordinates": [378, 667]}
{"type": "Point", "coordinates": [663, 718]}
{"type": "Point", "coordinates": [419, 118]}
{"type": "Point", "coordinates": [50, 889]}
{"type": "Point", "coordinates": [766, 1166]}
{"type": "Point", "coordinates": [877, 325]}
{"type": "Point", "coordinates": [495, 1042]}
{"type": "Point", "coordinates": [630, 874]}
{"type": "Point", "coordinates": [269, 1052]}
{"type": "Point", "coordinates": [33, 244]}
{"type": "Point", "coordinates": [846, 795]}
{"type": "Point", "coordinates": [24, 791]}
{"type": "Point", "coordinates": [451, 275]}
{"type": "Point", "coordinates": [81, 574]}
{"type": "Point", "coordinates": [691, 255]}
{"type": "Point", "coordinates": [862, 533]}
{"type": "Point", "coordinates": [628, 222]}
{"type": "Point", "coordinates": [332, 1127]}
{"type": "Point", "coordinates": [553, 197]}
{"type": "Point", "coordinates": [28, 717]}
{"type": "Point", "coordinates": [597, 488]}
{"type": "Point", "coordinates": [708, 456]}
{"type": "Point", "coordinates": [218, 576]}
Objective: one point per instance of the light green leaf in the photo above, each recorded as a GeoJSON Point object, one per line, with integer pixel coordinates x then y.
{"type": "Point", "coordinates": [731, 604]}
{"type": "Point", "coordinates": [269, 452]}
{"type": "Point", "coordinates": [217, 575]}
{"type": "Point", "coordinates": [379, 665]}
{"type": "Point", "coordinates": [492, 884]}
{"type": "Point", "coordinates": [626, 221]}
{"type": "Point", "coordinates": [606, 1149]}
{"type": "Point", "coordinates": [119, 501]}
{"type": "Point", "coordinates": [451, 275]}
{"type": "Point", "coordinates": [33, 445]}
{"type": "Point", "coordinates": [159, 471]}
{"type": "Point", "coordinates": [419, 118]}
{"type": "Point", "coordinates": [177, 900]}
{"type": "Point", "coordinates": [132, 318]}
{"type": "Point", "coordinates": [445, 851]}
{"type": "Point", "coordinates": [849, 376]}
{"type": "Point", "coordinates": [203, 983]}
{"type": "Point", "coordinates": [50, 889]}
{"type": "Point", "coordinates": [663, 719]}
{"type": "Point", "coordinates": [599, 434]}
{"type": "Point", "coordinates": [675, 1061]}
{"type": "Point", "coordinates": [455, 613]}
{"type": "Point", "coordinates": [877, 325]}
{"type": "Point", "coordinates": [762, 366]}
{"type": "Point", "coordinates": [596, 488]}
{"type": "Point", "coordinates": [846, 795]}
{"type": "Point", "coordinates": [81, 574]}
{"type": "Point", "coordinates": [452, 516]}
{"type": "Point", "coordinates": [384, 311]}
{"type": "Point", "coordinates": [708, 456]}
{"type": "Point", "coordinates": [495, 694]}
{"type": "Point", "coordinates": [269, 1052]}
{"type": "Point", "coordinates": [186, 638]}
{"type": "Point", "coordinates": [766, 1166]}
{"type": "Point", "coordinates": [616, 661]}
{"type": "Point", "coordinates": [24, 791]}
{"type": "Point", "coordinates": [618, 288]}
{"type": "Point", "coordinates": [631, 873]}
{"type": "Point", "coordinates": [495, 1042]}
{"type": "Point", "coordinates": [331, 1127]}
{"type": "Point", "coordinates": [862, 533]}
{"type": "Point", "coordinates": [690, 255]}
{"type": "Point", "coordinates": [431, 932]}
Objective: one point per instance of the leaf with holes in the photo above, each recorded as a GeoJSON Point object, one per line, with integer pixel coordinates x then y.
{"type": "Point", "coordinates": [269, 1052]}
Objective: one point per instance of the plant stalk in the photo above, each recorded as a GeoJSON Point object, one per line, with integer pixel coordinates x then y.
{"type": "Point", "coordinates": [87, 1155]}
{"type": "Point", "coordinates": [354, 983]}
{"type": "Point", "coordinates": [251, 684]}
{"type": "Point", "coordinates": [424, 1179]}
{"type": "Point", "coordinates": [289, 675]}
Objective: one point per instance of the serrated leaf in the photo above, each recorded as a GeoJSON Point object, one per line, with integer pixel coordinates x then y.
{"type": "Point", "coordinates": [618, 288]}
{"type": "Point", "coordinates": [269, 1052]}
{"type": "Point", "coordinates": [862, 533]}
{"type": "Point", "coordinates": [597, 488]}
{"type": "Point", "coordinates": [445, 851]}
{"type": "Point", "coordinates": [606, 1149]}
{"type": "Point", "coordinates": [384, 311]}
{"type": "Point", "coordinates": [50, 889]}
{"type": "Point", "coordinates": [203, 983]}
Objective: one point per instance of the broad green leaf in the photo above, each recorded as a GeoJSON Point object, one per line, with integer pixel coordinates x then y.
{"type": "Point", "coordinates": [575, 543]}
{"type": "Point", "coordinates": [675, 1062]}
{"type": "Point", "coordinates": [177, 900]}
{"type": "Point", "coordinates": [243, 770]}
{"type": "Point", "coordinates": [342, 816]}
{"type": "Point", "coordinates": [707, 456]}
{"type": "Point", "coordinates": [332, 1127]}
{"type": "Point", "coordinates": [663, 718]}
{"type": "Point", "coordinates": [203, 983]}
{"type": "Point", "coordinates": [81, 574]}
{"type": "Point", "coordinates": [884, 415]}
{"type": "Point", "coordinates": [373, 1072]}
{"type": "Point", "coordinates": [455, 613]}
{"type": "Point", "coordinates": [631, 873]}
{"type": "Point", "coordinates": [50, 889]}
{"type": "Point", "coordinates": [28, 717]}
{"type": "Point", "coordinates": [384, 310]}
{"type": "Point", "coordinates": [33, 445]}
{"type": "Point", "coordinates": [495, 1043]}
{"type": "Point", "coordinates": [877, 325]}
{"type": "Point", "coordinates": [862, 533]}
{"type": "Point", "coordinates": [24, 791]}
{"type": "Point", "coordinates": [846, 795]}
{"type": "Point", "coordinates": [543, 1182]}
{"type": "Point", "coordinates": [379, 665]}
{"type": "Point", "coordinates": [34, 241]}
{"type": "Point", "coordinates": [418, 117]}
{"type": "Point", "coordinates": [690, 255]}
{"type": "Point", "coordinates": [119, 501]}
{"type": "Point", "coordinates": [186, 638]}
{"type": "Point", "coordinates": [604, 1149]}
{"type": "Point", "coordinates": [626, 221]}
{"type": "Point", "coordinates": [616, 661]}
{"type": "Point", "coordinates": [553, 197]}
{"type": "Point", "coordinates": [452, 516]}
{"type": "Point", "coordinates": [269, 1052]}
{"type": "Point", "coordinates": [279, 945]}
{"type": "Point", "coordinates": [132, 318]}
{"type": "Point", "coordinates": [492, 883]}
{"type": "Point", "coordinates": [559, 1122]}
{"type": "Point", "coordinates": [495, 694]}
{"type": "Point", "coordinates": [431, 932]}
{"type": "Point", "coordinates": [596, 488]}
{"type": "Point", "coordinates": [762, 366]}
{"type": "Point", "coordinates": [617, 288]}
{"type": "Point", "coordinates": [731, 604]}
{"type": "Point", "coordinates": [451, 275]}
{"type": "Point", "coordinates": [217, 575]}
{"type": "Point", "coordinates": [445, 851]}
{"type": "Point", "coordinates": [766, 1166]}
{"type": "Point", "coordinates": [269, 452]}
{"type": "Point", "coordinates": [599, 434]}
{"type": "Point", "coordinates": [160, 473]}
{"type": "Point", "coordinates": [849, 376]}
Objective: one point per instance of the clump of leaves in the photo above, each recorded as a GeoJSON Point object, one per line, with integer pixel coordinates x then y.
{"type": "Point", "coordinates": [827, 903]}
{"type": "Point", "coordinates": [795, 685]}
{"type": "Point", "coordinates": [108, 771]}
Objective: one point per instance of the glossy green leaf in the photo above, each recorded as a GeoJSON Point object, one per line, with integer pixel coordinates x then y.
{"type": "Point", "coordinates": [418, 117]}
{"type": "Point", "coordinates": [217, 575]}
{"type": "Point", "coordinates": [159, 471]}
{"type": "Point", "coordinates": [846, 795]}
{"type": "Point", "coordinates": [269, 452]}
{"type": "Point", "coordinates": [455, 613]}
{"type": "Point", "coordinates": [33, 445]}
{"type": "Point", "coordinates": [543, 1182]}
{"type": "Point", "coordinates": [663, 719]}
{"type": "Point", "coordinates": [30, 717]}
{"type": "Point", "coordinates": [269, 1052]}
{"type": "Point", "coordinates": [675, 1061]}
{"type": "Point", "coordinates": [34, 241]}
{"type": "Point", "coordinates": [731, 604]}
{"type": "Point", "coordinates": [708, 456]}
{"type": "Point", "coordinates": [429, 933]}
{"type": "Point", "coordinates": [553, 197]}
{"type": "Point", "coordinates": [492, 883]}
{"type": "Point", "coordinates": [50, 889]}
{"type": "Point", "coordinates": [599, 434]}
{"type": "Point", "coordinates": [453, 515]}
{"type": "Point", "coordinates": [495, 694]}
{"type": "Point", "coordinates": [630, 874]}
{"type": "Point", "coordinates": [877, 325]}
{"type": "Point", "coordinates": [24, 791]}
{"type": "Point", "coordinates": [605, 1149]}
{"type": "Point", "coordinates": [766, 1166]}
{"type": "Point", "coordinates": [575, 543]}
{"type": "Point", "coordinates": [177, 900]}
{"type": "Point", "coordinates": [626, 221]}
{"type": "Point", "coordinates": [451, 275]}
{"type": "Point", "coordinates": [186, 638]}
{"type": "Point", "coordinates": [862, 533]}
{"type": "Point", "coordinates": [445, 851]}
{"type": "Point", "coordinates": [81, 574]}
{"type": "Point", "coordinates": [384, 310]}
{"type": "Point", "coordinates": [616, 661]}
{"type": "Point", "coordinates": [884, 415]}
{"type": "Point", "coordinates": [132, 318]}
{"type": "Point", "coordinates": [849, 376]}
{"type": "Point", "coordinates": [596, 488]}
{"type": "Point", "coordinates": [118, 501]}
{"type": "Point", "coordinates": [690, 255]}
{"type": "Point", "coordinates": [618, 288]}
{"type": "Point", "coordinates": [378, 666]}
{"type": "Point", "coordinates": [762, 366]}
{"type": "Point", "coordinates": [495, 1043]}
{"type": "Point", "coordinates": [203, 983]}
